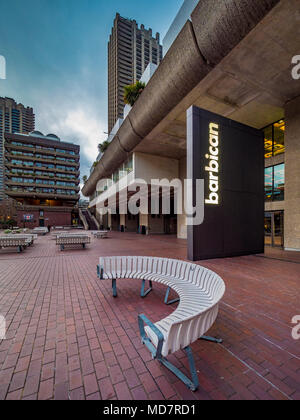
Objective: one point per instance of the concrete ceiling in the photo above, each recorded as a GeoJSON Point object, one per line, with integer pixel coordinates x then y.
{"type": "Point", "coordinates": [250, 85]}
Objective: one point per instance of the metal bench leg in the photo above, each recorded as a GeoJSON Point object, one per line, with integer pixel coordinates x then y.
{"type": "Point", "coordinates": [212, 339]}
{"type": "Point", "coordinates": [193, 383]}
{"type": "Point", "coordinates": [19, 249]}
{"type": "Point", "coordinates": [83, 246]}
{"type": "Point", "coordinates": [143, 293]}
{"type": "Point", "coordinates": [114, 287]}
{"type": "Point", "coordinates": [62, 247]}
{"type": "Point", "coordinates": [167, 297]}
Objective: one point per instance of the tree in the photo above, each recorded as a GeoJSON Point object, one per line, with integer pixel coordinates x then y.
{"type": "Point", "coordinates": [84, 179]}
{"type": "Point", "coordinates": [133, 92]}
{"type": "Point", "coordinates": [8, 212]}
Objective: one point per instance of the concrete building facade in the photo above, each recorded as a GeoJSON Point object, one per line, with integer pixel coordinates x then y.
{"type": "Point", "coordinates": [130, 50]}
{"type": "Point", "coordinates": [14, 118]}
{"type": "Point", "coordinates": [42, 175]}
{"type": "Point", "coordinates": [235, 60]}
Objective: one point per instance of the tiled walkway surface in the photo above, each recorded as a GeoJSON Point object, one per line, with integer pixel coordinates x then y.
{"type": "Point", "coordinates": [69, 339]}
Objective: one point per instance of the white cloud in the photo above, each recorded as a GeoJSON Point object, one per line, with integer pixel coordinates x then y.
{"type": "Point", "coordinates": [83, 127]}
{"type": "Point", "coordinates": [76, 122]}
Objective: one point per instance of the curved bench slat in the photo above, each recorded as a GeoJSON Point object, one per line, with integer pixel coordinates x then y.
{"type": "Point", "coordinates": [199, 289]}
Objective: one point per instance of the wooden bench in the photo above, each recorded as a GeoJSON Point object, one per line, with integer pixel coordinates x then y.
{"type": "Point", "coordinates": [13, 242]}
{"type": "Point", "coordinates": [200, 291]}
{"type": "Point", "coordinates": [72, 239]}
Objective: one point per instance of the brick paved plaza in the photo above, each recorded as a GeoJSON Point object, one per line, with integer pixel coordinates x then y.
{"type": "Point", "coordinates": [69, 339]}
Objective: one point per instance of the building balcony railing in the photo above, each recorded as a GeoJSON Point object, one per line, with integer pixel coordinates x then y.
{"type": "Point", "coordinates": [27, 207]}
{"type": "Point", "coordinates": [42, 177]}
{"type": "Point", "coordinates": [41, 168]}
{"type": "Point", "coordinates": [41, 160]}
{"type": "Point", "coordinates": [36, 195]}
{"type": "Point", "coordinates": [38, 185]}
{"type": "Point", "coordinates": [26, 148]}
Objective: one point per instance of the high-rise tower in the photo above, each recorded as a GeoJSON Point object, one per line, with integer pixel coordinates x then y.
{"type": "Point", "coordinates": [130, 50]}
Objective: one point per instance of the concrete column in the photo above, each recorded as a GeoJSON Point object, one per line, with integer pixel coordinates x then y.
{"type": "Point", "coordinates": [122, 220]}
{"type": "Point", "coordinates": [181, 218]}
{"type": "Point", "coordinates": [144, 220]}
{"type": "Point", "coordinates": [292, 176]}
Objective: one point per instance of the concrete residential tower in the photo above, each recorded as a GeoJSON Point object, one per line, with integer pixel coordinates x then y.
{"type": "Point", "coordinates": [130, 50]}
{"type": "Point", "coordinates": [42, 175]}
{"type": "Point", "coordinates": [14, 118]}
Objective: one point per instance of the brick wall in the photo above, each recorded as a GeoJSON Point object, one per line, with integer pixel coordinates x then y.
{"type": "Point", "coordinates": [51, 218]}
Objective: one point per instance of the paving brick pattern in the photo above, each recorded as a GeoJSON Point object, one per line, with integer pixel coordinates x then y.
{"type": "Point", "coordinates": [69, 339]}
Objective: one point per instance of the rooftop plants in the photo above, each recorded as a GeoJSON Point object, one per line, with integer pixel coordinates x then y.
{"type": "Point", "coordinates": [102, 147]}
{"type": "Point", "coordinates": [133, 92]}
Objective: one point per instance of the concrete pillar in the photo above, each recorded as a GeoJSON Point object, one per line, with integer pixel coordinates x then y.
{"type": "Point", "coordinates": [181, 218]}
{"type": "Point", "coordinates": [292, 176]}
{"type": "Point", "coordinates": [144, 220]}
{"type": "Point", "coordinates": [123, 220]}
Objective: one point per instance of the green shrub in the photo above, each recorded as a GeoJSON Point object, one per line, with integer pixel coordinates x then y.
{"type": "Point", "coordinates": [133, 92]}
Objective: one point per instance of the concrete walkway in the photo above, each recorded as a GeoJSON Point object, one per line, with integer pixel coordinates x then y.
{"type": "Point", "coordinates": [69, 339]}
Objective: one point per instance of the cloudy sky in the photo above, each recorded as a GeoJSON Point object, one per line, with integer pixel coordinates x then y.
{"type": "Point", "coordinates": [56, 55]}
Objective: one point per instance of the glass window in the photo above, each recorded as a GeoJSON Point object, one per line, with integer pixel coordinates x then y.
{"type": "Point", "coordinates": [274, 183]}
{"type": "Point", "coordinates": [268, 142]}
{"type": "Point", "coordinates": [129, 165]}
{"type": "Point", "coordinates": [116, 176]}
{"type": "Point", "coordinates": [279, 180]}
{"type": "Point", "coordinates": [269, 183]}
{"type": "Point", "coordinates": [279, 130]}
{"type": "Point", "coordinates": [274, 139]}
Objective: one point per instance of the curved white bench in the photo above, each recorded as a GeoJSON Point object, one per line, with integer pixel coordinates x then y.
{"type": "Point", "coordinates": [200, 291]}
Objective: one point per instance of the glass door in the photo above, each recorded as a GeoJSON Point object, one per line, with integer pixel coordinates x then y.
{"type": "Point", "coordinates": [268, 229]}
{"type": "Point", "coordinates": [274, 229]}
{"type": "Point", "coordinates": [278, 229]}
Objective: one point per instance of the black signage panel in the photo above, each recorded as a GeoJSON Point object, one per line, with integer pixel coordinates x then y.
{"type": "Point", "coordinates": [229, 156]}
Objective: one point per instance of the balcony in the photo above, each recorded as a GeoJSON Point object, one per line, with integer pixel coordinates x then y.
{"type": "Point", "coordinates": [37, 185]}
{"type": "Point", "coordinates": [33, 194]}
{"type": "Point", "coordinates": [41, 168]}
{"type": "Point", "coordinates": [42, 160]}
{"type": "Point", "coordinates": [27, 148]}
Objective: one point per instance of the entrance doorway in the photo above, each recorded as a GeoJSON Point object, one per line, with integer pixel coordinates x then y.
{"type": "Point", "coordinates": [132, 223]}
{"type": "Point", "coordinates": [274, 233]}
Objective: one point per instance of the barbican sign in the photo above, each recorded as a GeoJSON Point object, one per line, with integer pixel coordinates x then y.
{"type": "Point", "coordinates": [229, 157]}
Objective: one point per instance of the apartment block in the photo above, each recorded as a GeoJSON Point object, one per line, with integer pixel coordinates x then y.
{"type": "Point", "coordinates": [14, 118]}
{"type": "Point", "coordinates": [42, 175]}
